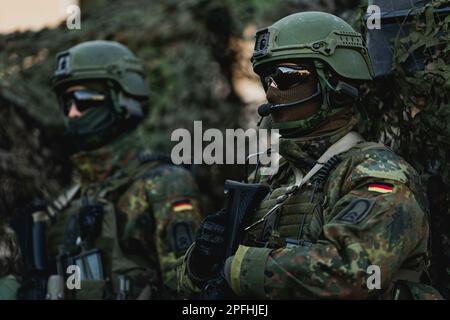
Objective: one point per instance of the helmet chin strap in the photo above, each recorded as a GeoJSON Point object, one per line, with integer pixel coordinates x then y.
{"type": "Point", "coordinates": [124, 106]}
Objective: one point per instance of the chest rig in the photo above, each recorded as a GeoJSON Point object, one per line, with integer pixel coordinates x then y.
{"type": "Point", "coordinates": [89, 232]}
{"type": "Point", "coordinates": [291, 214]}
{"type": "Point", "coordinates": [298, 221]}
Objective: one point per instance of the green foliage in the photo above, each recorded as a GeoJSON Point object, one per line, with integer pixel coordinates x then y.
{"type": "Point", "coordinates": [411, 110]}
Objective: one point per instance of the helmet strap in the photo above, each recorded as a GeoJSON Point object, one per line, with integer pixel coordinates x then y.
{"type": "Point", "coordinates": [114, 97]}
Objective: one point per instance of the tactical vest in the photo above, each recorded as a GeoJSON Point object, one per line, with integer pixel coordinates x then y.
{"type": "Point", "coordinates": [291, 214]}
{"type": "Point", "coordinates": [298, 222]}
{"type": "Point", "coordinates": [114, 262]}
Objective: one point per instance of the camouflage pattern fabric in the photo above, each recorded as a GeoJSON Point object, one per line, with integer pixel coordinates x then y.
{"type": "Point", "coordinates": [349, 225]}
{"type": "Point", "coordinates": [156, 211]}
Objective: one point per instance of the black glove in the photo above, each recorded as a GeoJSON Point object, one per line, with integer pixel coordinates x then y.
{"type": "Point", "coordinates": [217, 289]}
{"type": "Point", "coordinates": [209, 250]}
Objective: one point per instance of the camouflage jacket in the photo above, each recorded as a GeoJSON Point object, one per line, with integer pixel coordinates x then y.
{"type": "Point", "coordinates": [367, 212]}
{"type": "Point", "coordinates": [150, 213]}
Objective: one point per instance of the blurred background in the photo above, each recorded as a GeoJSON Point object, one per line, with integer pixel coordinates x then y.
{"type": "Point", "coordinates": [197, 54]}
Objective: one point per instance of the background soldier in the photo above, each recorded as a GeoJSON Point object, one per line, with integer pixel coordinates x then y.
{"type": "Point", "coordinates": [130, 213]}
{"type": "Point", "coordinates": [337, 204]}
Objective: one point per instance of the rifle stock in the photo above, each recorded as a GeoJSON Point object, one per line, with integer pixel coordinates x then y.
{"type": "Point", "coordinates": [242, 199]}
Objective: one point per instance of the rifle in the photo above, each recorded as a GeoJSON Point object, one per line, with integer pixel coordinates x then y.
{"type": "Point", "coordinates": [30, 230]}
{"type": "Point", "coordinates": [241, 200]}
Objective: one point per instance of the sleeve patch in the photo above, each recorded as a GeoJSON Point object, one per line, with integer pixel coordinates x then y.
{"type": "Point", "coordinates": [182, 237]}
{"type": "Point", "coordinates": [182, 205]}
{"type": "Point", "coordinates": [356, 211]}
{"type": "Point", "coordinates": [381, 187]}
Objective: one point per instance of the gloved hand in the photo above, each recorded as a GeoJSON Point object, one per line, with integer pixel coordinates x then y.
{"type": "Point", "coordinates": [219, 288]}
{"type": "Point", "coordinates": [209, 250]}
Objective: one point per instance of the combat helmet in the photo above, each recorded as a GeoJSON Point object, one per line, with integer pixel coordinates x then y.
{"type": "Point", "coordinates": [323, 38]}
{"type": "Point", "coordinates": [124, 76]}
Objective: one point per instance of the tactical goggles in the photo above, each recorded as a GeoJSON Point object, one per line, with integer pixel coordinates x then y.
{"type": "Point", "coordinates": [84, 99]}
{"type": "Point", "coordinates": [285, 77]}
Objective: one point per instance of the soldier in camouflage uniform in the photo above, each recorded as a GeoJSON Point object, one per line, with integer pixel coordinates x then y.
{"type": "Point", "coordinates": [364, 206]}
{"type": "Point", "coordinates": [130, 213]}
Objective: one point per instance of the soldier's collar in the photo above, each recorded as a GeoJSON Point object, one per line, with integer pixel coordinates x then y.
{"type": "Point", "coordinates": [97, 165]}
{"type": "Point", "coordinates": [303, 152]}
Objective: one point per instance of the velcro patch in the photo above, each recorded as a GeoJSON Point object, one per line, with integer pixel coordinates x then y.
{"type": "Point", "coordinates": [182, 237]}
{"type": "Point", "coordinates": [356, 211]}
{"type": "Point", "coordinates": [63, 65]}
{"type": "Point", "coordinates": [182, 205]}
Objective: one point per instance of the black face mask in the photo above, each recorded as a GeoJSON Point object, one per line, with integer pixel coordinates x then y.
{"type": "Point", "coordinates": [97, 110]}
{"type": "Point", "coordinates": [99, 122]}
{"type": "Point", "coordinates": [94, 121]}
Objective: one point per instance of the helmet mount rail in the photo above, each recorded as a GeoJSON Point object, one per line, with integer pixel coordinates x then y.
{"type": "Point", "coordinates": [325, 46]}
{"type": "Point", "coordinates": [314, 35]}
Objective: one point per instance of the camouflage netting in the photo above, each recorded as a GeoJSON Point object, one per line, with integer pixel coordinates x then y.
{"type": "Point", "coordinates": [410, 111]}
{"type": "Point", "coordinates": [189, 52]}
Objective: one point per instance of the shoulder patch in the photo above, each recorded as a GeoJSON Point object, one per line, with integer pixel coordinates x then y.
{"type": "Point", "coordinates": [356, 211]}
{"type": "Point", "coordinates": [168, 182]}
{"type": "Point", "coordinates": [382, 163]}
{"type": "Point", "coordinates": [182, 237]}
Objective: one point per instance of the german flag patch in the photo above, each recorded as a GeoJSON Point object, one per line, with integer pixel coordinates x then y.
{"type": "Point", "coordinates": [381, 187]}
{"type": "Point", "coordinates": [182, 205]}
